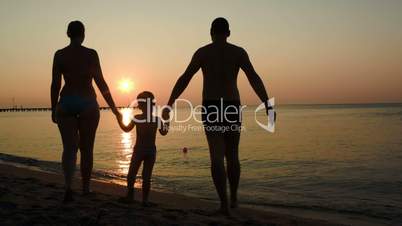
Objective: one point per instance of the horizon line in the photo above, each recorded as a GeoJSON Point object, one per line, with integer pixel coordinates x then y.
{"type": "Point", "coordinates": [287, 104]}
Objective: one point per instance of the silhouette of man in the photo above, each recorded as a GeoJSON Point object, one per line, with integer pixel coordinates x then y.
{"type": "Point", "coordinates": [220, 62]}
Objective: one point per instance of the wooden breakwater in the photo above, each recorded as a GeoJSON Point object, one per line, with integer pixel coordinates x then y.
{"type": "Point", "coordinates": [20, 109]}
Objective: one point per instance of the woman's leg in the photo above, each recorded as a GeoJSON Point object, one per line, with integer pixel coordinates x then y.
{"type": "Point", "coordinates": [149, 162]}
{"type": "Point", "coordinates": [87, 125]}
{"type": "Point", "coordinates": [68, 126]}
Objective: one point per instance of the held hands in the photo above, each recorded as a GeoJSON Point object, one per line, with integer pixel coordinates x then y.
{"type": "Point", "coordinates": [165, 125]}
{"type": "Point", "coordinates": [166, 114]}
{"type": "Point", "coordinates": [125, 128]}
{"type": "Point", "coordinates": [164, 129]}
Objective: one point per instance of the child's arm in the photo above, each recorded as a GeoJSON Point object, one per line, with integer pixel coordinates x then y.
{"type": "Point", "coordinates": [126, 128]}
{"type": "Point", "coordinates": [164, 127]}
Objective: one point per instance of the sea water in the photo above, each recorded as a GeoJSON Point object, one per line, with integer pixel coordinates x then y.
{"type": "Point", "coordinates": [343, 158]}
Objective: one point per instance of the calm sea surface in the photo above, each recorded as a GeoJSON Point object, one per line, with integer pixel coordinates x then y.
{"type": "Point", "coordinates": [344, 158]}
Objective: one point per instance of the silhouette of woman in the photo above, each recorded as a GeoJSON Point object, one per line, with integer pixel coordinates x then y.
{"type": "Point", "coordinates": [77, 112]}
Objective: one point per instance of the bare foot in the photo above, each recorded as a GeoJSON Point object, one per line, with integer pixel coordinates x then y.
{"type": "Point", "coordinates": [85, 188]}
{"type": "Point", "coordinates": [220, 212]}
{"type": "Point", "coordinates": [68, 196]}
{"type": "Point", "coordinates": [224, 211]}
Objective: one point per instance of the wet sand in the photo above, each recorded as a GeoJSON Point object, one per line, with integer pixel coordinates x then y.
{"type": "Point", "coordinates": [31, 197]}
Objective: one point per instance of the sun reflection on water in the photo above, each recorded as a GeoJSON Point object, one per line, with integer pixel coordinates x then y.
{"type": "Point", "coordinates": [127, 115]}
{"type": "Point", "coordinates": [126, 142]}
{"type": "Point", "coordinates": [126, 150]}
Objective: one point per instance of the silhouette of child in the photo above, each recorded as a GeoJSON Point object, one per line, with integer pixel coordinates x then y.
{"type": "Point", "coordinates": [144, 150]}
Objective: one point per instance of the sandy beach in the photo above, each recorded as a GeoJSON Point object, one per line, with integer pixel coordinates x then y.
{"type": "Point", "coordinates": [31, 197]}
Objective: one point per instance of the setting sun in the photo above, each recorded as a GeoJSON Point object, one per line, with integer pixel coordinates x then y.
{"type": "Point", "coordinates": [125, 85]}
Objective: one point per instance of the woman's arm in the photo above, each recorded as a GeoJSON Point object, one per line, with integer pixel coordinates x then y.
{"type": "Point", "coordinates": [56, 85]}
{"type": "Point", "coordinates": [102, 85]}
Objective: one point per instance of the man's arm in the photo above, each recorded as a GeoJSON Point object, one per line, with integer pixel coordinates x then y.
{"type": "Point", "coordinates": [185, 78]}
{"type": "Point", "coordinates": [254, 79]}
{"type": "Point", "coordinates": [56, 85]}
{"type": "Point", "coordinates": [102, 85]}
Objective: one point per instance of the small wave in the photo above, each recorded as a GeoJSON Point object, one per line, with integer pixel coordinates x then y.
{"type": "Point", "coordinates": [167, 184]}
{"type": "Point", "coordinates": [388, 216]}
{"type": "Point", "coordinates": [54, 167]}
{"type": "Point", "coordinates": [397, 113]}
{"type": "Point", "coordinates": [31, 162]}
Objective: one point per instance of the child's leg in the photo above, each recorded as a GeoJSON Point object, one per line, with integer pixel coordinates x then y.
{"type": "Point", "coordinates": [149, 161]}
{"type": "Point", "coordinates": [135, 164]}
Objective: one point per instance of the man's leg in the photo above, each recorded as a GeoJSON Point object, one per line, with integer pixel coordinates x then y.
{"type": "Point", "coordinates": [233, 164]}
{"type": "Point", "coordinates": [216, 145]}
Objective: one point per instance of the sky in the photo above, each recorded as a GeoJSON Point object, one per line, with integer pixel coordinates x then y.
{"type": "Point", "coordinates": [306, 52]}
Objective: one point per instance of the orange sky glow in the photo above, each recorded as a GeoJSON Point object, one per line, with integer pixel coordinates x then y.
{"type": "Point", "coordinates": [305, 51]}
